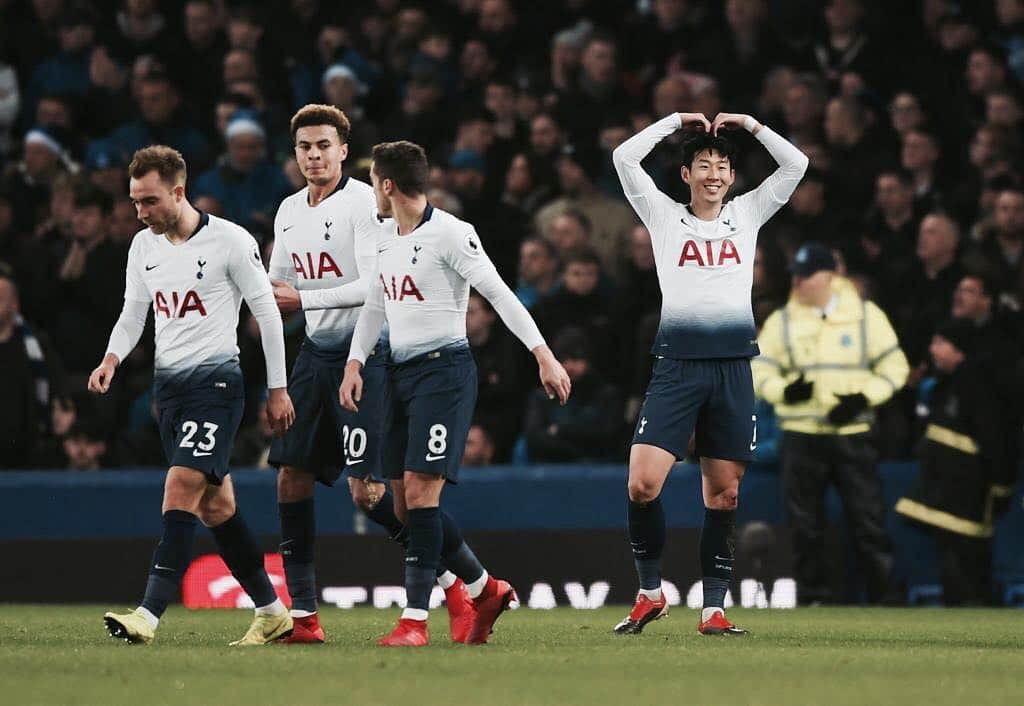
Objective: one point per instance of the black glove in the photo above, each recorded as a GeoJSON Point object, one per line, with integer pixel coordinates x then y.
{"type": "Point", "coordinates": [798, 391]}
{"type": "Point", "coordinates": [848, 408]}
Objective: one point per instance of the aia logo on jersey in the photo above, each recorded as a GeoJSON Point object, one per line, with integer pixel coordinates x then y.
{"type": "Point", "coordinates": [171, 309]}
{"type": "Point", "coordinates": [308, 270]}
{"type": "Point", "coordinates": [398, 292]}
{"type": "Point", "coordinates": [715, 253]}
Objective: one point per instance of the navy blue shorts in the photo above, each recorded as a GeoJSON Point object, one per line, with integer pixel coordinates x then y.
{"type": "Point", "coordinates": [327, 439]}
{"type": "Point", "coordinates": [435, 394]}
{"type": "Point", "coordinates": [199, 413]}
{"type": "Point", "coordinates": [714, 396]}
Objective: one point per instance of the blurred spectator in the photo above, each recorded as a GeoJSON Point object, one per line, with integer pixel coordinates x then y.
{"type": "Point", "coordinates": [610, 219]}
{"type": "Point", "coordinates": [420, 117]}
{"type": "Point", "coordinates": [754, 49]}
{"type": "Point", "coordinates": [854, 156]}
{"type": "Point", "coordinates": [68, 71]}
{"type": "Point", "coordinates": [827, 359]}
{"type": "Point", "coordinates": [203, 47]}
{"type": "Point", "coordinates": [10, 104]}
{"type": "Point", "coordinates": [596, 93]}
{"type": "Point", "coordinates": [906, 113]}
{"type": "Point", "coordinates": [162, 121]}
{"type": "Point", "coordinates": [28, 182]}
{"type": "Point", "coordinates": [963, 471]}
{"type": "Point", "coordinates": [924, 295]}
{"type": "Point", "coordinates": [546, 142]}
{"type": "Point", "coordinates": [1010, 15]}
{"type": "Point", "coordinates": [580, 303]}
{"type": "Point", "coordinates": [31, 379]}
{"type": "Point", "coordinates": [803, 108]}
{"type": "Point", "coordinates": [245, 181]}
{"type": "Point", "coordinates": [91, 297]}
{"type": "Point", "coordinates": [920, 156]}
{"type": "Point", "coordinates": [108, 170]}
{"type": "Point", "coordinates": [141, 446]}
{"type": "Point", "coordinates": [500, 374]}
{"type": "Point", "coordinates": [85, 446]}
{"type": "Point", "coordinates": [538, 271]}
{"type": "Point", "coordinates": [343, 89]}
{"type": "Point", "coordinates": [846, 48]}
{"type": "Point", "coordinates": [139, 26]}
{"type": "Point", "coordinates": [1001, 248]}
{"type": "Point", "coordinates": [479, 447]}
{"type": "Point", "coordinates": [986, 71]}
{"type": "Point", "coordinates": [589, 426]}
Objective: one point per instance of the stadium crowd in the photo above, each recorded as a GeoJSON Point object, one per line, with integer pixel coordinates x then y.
{"type": "Point", "coordinates": [911, 115]}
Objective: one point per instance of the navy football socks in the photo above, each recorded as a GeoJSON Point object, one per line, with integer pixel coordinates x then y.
{"type": "Point", "coordinates": [421, 557]}
{"type": "Point", "coordinates": [647, 538]}
{"type": "Point", "coordinates": [457, 555]}
{"type": "Point", "coordinates": [243, 555]}
{"type": "Point", "coordinates": [383, 513]}
{"type": "Point", "coordinates": [717, 550]}
{"type": "Point", "coordinates": [298, 536]}
{"type": "Point", "coordinates": [170, 559]}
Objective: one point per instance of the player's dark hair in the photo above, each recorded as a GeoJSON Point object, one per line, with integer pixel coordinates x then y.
{"type": "Point", "coordinates": [583, 256]}
{"type": "Point", "coordinates": [706, 142]}
{"type": "Point", "coordinates": [165, 161]}
{"type": "Point", "coordinates": [87, 195]}
{"type": "Point", "coordinates": [319, 114]}
{"type": "Point", "coordinates": [404, 163]}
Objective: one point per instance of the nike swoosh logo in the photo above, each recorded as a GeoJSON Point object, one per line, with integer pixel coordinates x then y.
{"type": "Point", "coordinates": [202, 453]}
{"type": "Point", "coordinates": [151, 267]}
{"type": "Point", "coordinates": [722, 558]}
{"type": "Point", "coordinates": [162, 568]}
{"type": "Point", "coordinates": [430, 457]}
{"type": "Point", "coordinates": [382, 250]}
{"type": "Point", "coordinates": [287, 227]}
{"type": "Point", "coordinates": [753, 447]}
{"type": "Point", "coordinates": [352, 463]}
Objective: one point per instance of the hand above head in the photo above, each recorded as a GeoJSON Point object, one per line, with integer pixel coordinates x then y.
{"type": "Point", "coordinates": [729, 121]}
{"type": "Point", "coordinates": [280, 412]}
{"type": "Point", "coordinates": [800, 390]}
{"type": "Point", "coordinates": [849, 407]}
{"type": "Point", "coordinates": [286, 297]}
{"type": "Point", "coordinates": [695, 121]}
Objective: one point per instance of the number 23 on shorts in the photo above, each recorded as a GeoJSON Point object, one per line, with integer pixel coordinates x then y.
{"type": "Point", "coordinates": [204, 446]}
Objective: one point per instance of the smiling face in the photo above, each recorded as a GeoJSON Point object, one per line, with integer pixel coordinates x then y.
{"type": "Point", "coordinates": [319, 152]}
{"type": "Point", "coordinates": [709, 176]}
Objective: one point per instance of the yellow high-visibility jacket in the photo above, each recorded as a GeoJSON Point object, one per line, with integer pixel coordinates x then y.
{"type": "Point", "coordinates": [853, 349]}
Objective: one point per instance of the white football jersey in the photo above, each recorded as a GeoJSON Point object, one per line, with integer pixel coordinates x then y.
{"type": "Point", "coordinates": [326, 246]}
{"type": "Point", "coordinates": [705, 268]}
{"type": "Point", "coordinates": [423, 282]}
{"type": "Point", "coordinates": [196, 289]}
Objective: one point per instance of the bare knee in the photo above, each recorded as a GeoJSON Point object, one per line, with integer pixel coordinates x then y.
{"type": "Point", "coordinates": [365, 495]}
{"type": "Point", "coordinates": [422, 491]}
{"type": "Point", "coordinates": [216, 510]}
{"type": "Point", "coordinates": [723, 499]}
{"type": "Point", "coordinates": [294, 484]}
{"type": "Point", "coordinates": [183, 489]}
{"type": "Point", "coordinates": [642, 490]}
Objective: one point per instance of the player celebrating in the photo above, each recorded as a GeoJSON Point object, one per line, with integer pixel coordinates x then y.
{"type": "Point", "coordinates": [196, 269]}
{"type": "Point", "coordinates": [325, 247]}
{"type": "Point", "coordinates": [701, 381]}
{"type": "Point", "coordinates": [425, 268]}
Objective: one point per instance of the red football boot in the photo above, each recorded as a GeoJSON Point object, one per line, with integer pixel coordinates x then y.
{"type": "Point", "coordinates": [718, 625]}
{"type": "Point", "coordinates": [461, 611]}
{"type": "Point", "coordinates": [307, 631]}
{"type": "Point", "coordinates": [644, 611]}
{"type": "Point", "coordinates": [492, 602]}
{"type": "Point", "coordinates": [409, 633]}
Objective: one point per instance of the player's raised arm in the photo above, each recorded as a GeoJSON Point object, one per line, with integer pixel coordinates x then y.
{"type": "Point", "coordinates": [364, 338]}
{"type": "Point", "coordinates": [774, 191]}
{"type": "Point", "coordinates": [128, 329]}
{"type": "Point", "coordinates": [469, 260]}
{"type": "Point", "coordinates": [246, 270]}
{"type": "Point", "coordinates": [637, 184]}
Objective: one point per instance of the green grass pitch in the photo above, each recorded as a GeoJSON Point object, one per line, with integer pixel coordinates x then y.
{"type": "Point", "coordinates": [824, 657]}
